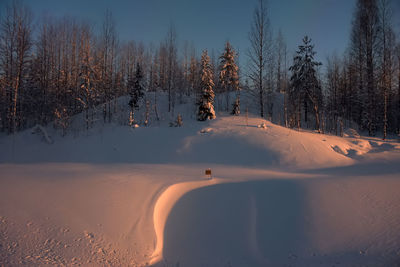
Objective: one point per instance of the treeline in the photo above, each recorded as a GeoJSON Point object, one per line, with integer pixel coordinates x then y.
{"type": "Point", "coordinates": [360, 89]}
{"type": "Point", "coordinates": [364, 85]}
{"type": "Point", "coordinates": [65, 67]}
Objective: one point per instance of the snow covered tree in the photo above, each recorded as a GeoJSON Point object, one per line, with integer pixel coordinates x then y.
{"type": "Point", "coordinates": [305, 86]}
{"type": "Point", "coordinates": [229, 78]}
{"type": "Point", "coordinates": [136, 88]}
{"type": "Point", "coordinates": [206, 100]}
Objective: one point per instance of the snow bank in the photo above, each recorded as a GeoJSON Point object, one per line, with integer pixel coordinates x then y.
{"type": "Point", "coordinates": [286, 222]}
{"type": "Point", "coordinates": [163, 207]}
{"type": "Point", "coordinates": [132, 198]}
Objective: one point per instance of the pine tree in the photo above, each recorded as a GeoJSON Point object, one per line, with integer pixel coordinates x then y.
{"type": "Point", "coordinates": [206, 101]}
{"type": "Point", "coordinates": [305, 86]}
{"type": "Point", "coordinates": [136, 89]}
{"type": "Point", "coordinates": [229, 78]}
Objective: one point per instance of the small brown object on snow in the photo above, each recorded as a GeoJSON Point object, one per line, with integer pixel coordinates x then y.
{"type": "Point", "coordinates": [208, 173]}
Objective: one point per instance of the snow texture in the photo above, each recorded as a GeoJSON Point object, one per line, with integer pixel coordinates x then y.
{"type": "Point", "coordinates": [122, 197]}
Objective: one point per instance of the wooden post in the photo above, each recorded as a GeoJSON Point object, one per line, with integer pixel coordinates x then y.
{"type": "Point", "coordinates": [247, 117]}
{"type": "Point", "coordinates": [208, 173]}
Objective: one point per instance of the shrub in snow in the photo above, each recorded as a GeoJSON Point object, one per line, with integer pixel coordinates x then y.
{"type": "Point", "coordinates": [62, 119]}
{"type": "Point", "coordinates": [236, 107]}
{"type": "Point", "coordinates": [177, 123]}
{"type": "Point", "coordinates": [262, 126]}
{"type": "Point", "coordinates": [131, 119]}
{"type": "Point", "coordinates": [351, 133]}
{"type": "Point", "coordinates": [146, 120]}
{"type": "Point", "coordinates": [206, 130]}
{"type": "Point", "coordinates": [38, 129]}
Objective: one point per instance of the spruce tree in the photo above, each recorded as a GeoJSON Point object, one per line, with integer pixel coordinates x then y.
{"type": "Point", "coordinates": [206, 100]}
{"type": "Point", "coordinates": [305, 87]}
{"type": "Point", "coordinates": [229, 78]}
{"type": "Point", "coordinates": [136, 89]}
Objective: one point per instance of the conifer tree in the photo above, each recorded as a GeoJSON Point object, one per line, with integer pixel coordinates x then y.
{"type": "Point", "coordinates": [136, 89]}
{"type": "Point", "coordinates": [206, 101]}
{"type": "Point", "coordinates": [305, 86]}
{"type": "Point", "coordinates": [229, 78]}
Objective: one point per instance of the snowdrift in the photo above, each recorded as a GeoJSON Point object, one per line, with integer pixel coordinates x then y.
{"type": "Point", "coordinates": [134, 197]}
{"type": "Point", "coordinates": [286, 222]}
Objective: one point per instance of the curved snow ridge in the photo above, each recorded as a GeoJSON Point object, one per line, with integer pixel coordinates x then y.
{"type": "Point", "coordinates": [164, 205]}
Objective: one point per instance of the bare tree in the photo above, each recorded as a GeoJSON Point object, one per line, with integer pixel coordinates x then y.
{"type": "Point", "coordinates": [332, 86]}
{"type": "Point", "coordinates": [398, 87]}
{"type": "Point", "coordinates": [365, 46]}
{"type": "Point", "coordinates": [387, 57]}
{"type": "Point", "coordinates": [88, 75]}
{"type": "Point", "coordinates": [258, 53]}
{"type": "Point", "coordinates": [15, 45]}
{"type": "Point", "coordinates": [171, 64]}
{"type": "Point", "coordinates": [281, 72]}
{"type": "Point", "coordinates": [108, 47]}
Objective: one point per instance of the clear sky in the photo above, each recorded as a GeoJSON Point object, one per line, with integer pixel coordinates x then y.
{"type": "Point", "coordinates": [210, 23]}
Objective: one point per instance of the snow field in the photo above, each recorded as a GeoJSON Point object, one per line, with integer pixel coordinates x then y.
{"type": "Point", "coordinates": [124, 197]}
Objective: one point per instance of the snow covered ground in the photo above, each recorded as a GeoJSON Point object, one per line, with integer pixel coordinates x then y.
{"type": "Point", "coordinates": [135, 197]}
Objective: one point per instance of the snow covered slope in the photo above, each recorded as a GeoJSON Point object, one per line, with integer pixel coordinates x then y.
{"type": "Point", "coordinates": [124, 197]}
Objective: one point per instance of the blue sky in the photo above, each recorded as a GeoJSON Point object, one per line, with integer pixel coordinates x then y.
{"type": "Point", "coordinates": [210, 23]}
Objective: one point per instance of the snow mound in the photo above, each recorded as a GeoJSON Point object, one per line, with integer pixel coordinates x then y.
{"type": "Point", "coordinates": [286, 222]}
{"type": "Point", "coordinates": [121, 197]}
{"type": "Point", "coordinates": [350, 132]}
{"type": "Point", "coordinates": [262, 125]}
{"type": "Point", "coordinates": [206, 130]}
{"type": "Point", "coordinates": [38, 129]}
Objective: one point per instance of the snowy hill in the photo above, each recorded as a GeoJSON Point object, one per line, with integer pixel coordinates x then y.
{"type": "Point", "coordinates": [118, 196]}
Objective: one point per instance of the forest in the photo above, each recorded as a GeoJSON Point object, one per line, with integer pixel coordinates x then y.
{"type": "Point", "coordinates": [63, 67]}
